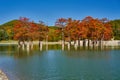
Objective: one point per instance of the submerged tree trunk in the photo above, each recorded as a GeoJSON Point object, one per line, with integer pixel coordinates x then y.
{"type": "Point", "coordinates": [74, 42]}
{"type": "Point", "coordinates": [79, 42]}
{"type": "Point", "coordinates": [23, 45]}
{"type": "Point", "coordinates": [69, 43]}
{"type": "Point", "coordinates": [68, 46]}
{"type": "Point", "coordinates": [31, 44]}
{"type": "Point", "coordinates": [88, 44]}
{"type": "Point", "coordinates": [39, 43]}
{"type": "Point", "coordinates": [76, 46]}
{"type": "Point", "coordinates": [101, 41]}
{"type": "Point", "coordinates": [101, 44]}
{"type": "Point", "coordinates": [94, 43]}
{"type": "Point", "coordinates": [28, 46]}
{"type": "Point", "coordinates": [19, 44]}
{"type": "Point", "coordinates": [84, 43]}
{"type": "Point", "coordinates": [63, 45]}
{"type": "Point", "coordinates": [47, 42]}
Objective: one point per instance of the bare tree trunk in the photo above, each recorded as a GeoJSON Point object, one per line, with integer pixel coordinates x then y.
{"type": "Point", "coordinates": [40, 45]}
{"type": "Point", "coordinates": [63, 42]}
{"type": "Point", "coordinates": [23, 45]}
{"type": "Point", "coordinates": [88, 43]}
{"type": "Point", "coordinates": [19, 43]}
{"type": "Point", "coordinates": [31, 44]}
{"type": "Point", "coordinates": [63, 45]}
{"type": "Point", "coordinates": [74, 42]}
{"type": "Point", "coordinates": [69, 43]}
{"type": "Point", "coordinates": [28, 46]}
{"type": "Point", "coordinates": [79, 42]}
{"type": "Point", "coordinates": [84, 43]}
{"type": "Point", "coordinates": [68, 46]}
{"type": "Point", "coordinates": [101, 41]}
{"type": "Point", "coordinates": [47, 42]}
{"type": "Point", "coordinates": [94, 43]}
{"type": "Point", "coordinates": [75, 46]}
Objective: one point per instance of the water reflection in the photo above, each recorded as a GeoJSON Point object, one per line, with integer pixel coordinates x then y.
{"type": "Point", "coordinates": [81, 52]}
{"type": "Point", "coordinates": [27, 52]}
{"type": "Point", "coordinates": [57, 64]}
{"type": "Point", "coordinates": [7, 49]}
{"type": "Point", "coordinates": [88, 54]}
{"type": "Point", "coordinates": [20, 53]}
{"type": "Point", "coordinates": [13, 50]}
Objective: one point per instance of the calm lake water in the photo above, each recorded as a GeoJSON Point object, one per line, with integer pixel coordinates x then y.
{"type": "Point", "coordinates": [55, 64]}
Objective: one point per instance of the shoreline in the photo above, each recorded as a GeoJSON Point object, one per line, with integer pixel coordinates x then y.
{"type": "Point", "coordinates": [3, 76]}
{"type": "Point", "coordinates": [34, 42]}
{"type": "Point", "coordinates": [104, 43]}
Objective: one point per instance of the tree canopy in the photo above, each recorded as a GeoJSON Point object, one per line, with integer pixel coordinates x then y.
{"type": "Point", "coordinates": [87, 28]}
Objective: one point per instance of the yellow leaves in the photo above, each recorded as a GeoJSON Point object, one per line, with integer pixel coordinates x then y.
{"type": "Point", "coordinates": [9, 31]}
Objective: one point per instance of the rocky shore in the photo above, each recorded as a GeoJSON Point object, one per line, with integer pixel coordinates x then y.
{"type": "Point", "coordinates": [3, 76]}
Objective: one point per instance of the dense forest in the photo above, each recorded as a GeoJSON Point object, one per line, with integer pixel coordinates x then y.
{"type": "Point", "coordinates": [64, 29]}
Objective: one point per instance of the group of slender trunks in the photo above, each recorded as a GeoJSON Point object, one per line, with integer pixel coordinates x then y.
{"type": "Point", "coordinates": [78, 43]}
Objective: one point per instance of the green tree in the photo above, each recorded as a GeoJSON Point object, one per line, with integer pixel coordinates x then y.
{"type": "Point", "coordinates": [116, 28]}
{"type": "Point", "coordinates": [3, 35]}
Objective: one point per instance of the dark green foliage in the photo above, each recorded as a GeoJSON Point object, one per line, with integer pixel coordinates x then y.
{"type": "Point", "coordinates": [10, 23]}
{"type": "Point", "coordinates": [3, 35]}
{"type": "Point", "coordinates": [116, 28]}
{"type": "Point", "coordinates": [53, 36]}
{"type": "Point", "coordinates": [53, 27]}
{"type": "Point", "coordinates": [8, 27]}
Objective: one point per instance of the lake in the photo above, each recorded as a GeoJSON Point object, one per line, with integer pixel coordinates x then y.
{"type": "Point", "coordinates": [57, 64]}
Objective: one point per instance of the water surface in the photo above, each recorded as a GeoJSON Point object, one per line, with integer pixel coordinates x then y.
{"type": "Point", "coordinates": [55, 64]}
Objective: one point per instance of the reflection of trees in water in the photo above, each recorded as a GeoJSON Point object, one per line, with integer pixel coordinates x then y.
{"type": "Point", "coordinates": [7, 49]}
{"type": "Point", "coordinates": [88, 54]}
{"type": "Point", "coordinates": [23, 53]}
{"type": "Point", "coordinates": [20, 53]}
{"type": "Point", "coordinates": [54, 47]}
{"type": "Point", "coordinates": [49, 47]}
{"type": "Point", "coordinates": [83, 52]}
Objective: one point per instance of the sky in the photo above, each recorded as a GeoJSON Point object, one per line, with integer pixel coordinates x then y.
{"type": "Point", "coordinates": [49, 11]}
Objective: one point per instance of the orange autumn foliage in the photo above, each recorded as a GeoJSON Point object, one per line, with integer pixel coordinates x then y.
{"type": "Point", "coordinates": [88, 28]}
{"type": "Point", "coordinates": [24, 30]}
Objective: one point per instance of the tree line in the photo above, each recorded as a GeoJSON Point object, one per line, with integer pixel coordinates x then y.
{"type": "Point", "coordinates": [65, 29]}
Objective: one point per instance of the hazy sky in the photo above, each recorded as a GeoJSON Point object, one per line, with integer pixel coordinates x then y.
{"type": "Point", "coordinates": [50, 10]}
